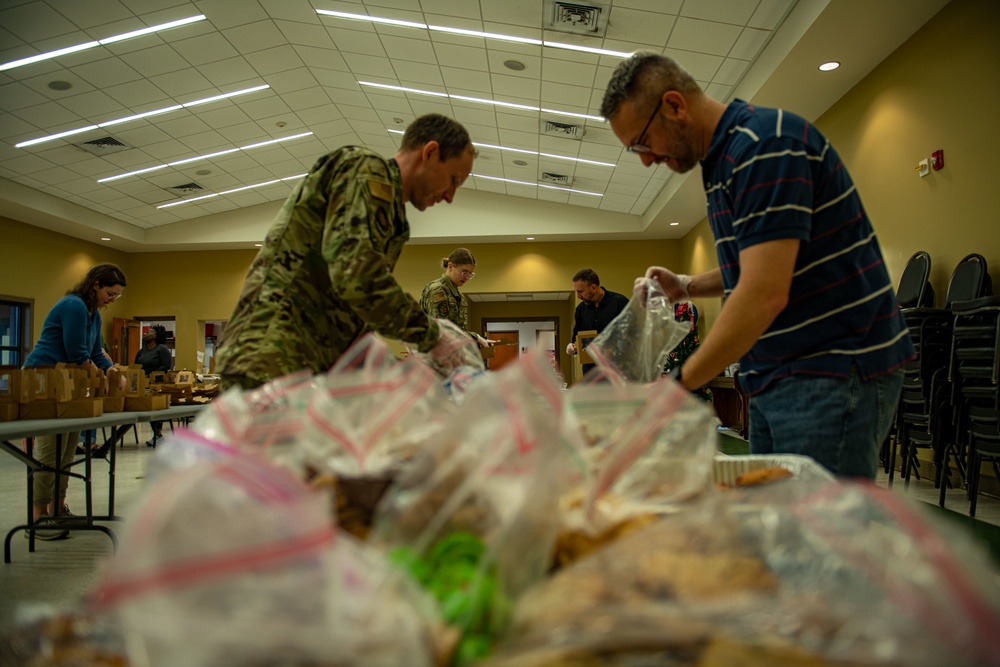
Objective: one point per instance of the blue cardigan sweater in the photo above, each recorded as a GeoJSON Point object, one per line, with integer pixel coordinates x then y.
{"type": "Point", "coordinates": [70, 335]}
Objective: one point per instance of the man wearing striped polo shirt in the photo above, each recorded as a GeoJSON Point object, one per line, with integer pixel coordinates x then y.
{"type": "Point", "coordinates": [810, 310]}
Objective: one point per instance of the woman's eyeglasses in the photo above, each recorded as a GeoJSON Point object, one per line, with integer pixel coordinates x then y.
{"type": "Point", "coordinates": [468, 274]}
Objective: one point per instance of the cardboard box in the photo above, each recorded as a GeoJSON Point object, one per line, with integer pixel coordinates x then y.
{"type": "Point", "coordinates": [583, 339]}
{"type": "Point", "coordinates": [9, 411]}
{"type": "Point", "coordinates": [38, 410]}
{"type": "Point", "coordinates": [10, 384]}
{"type": "Point", "coordinates": [113, 403]}
{"type": "Point", "coordinates": [487, 352]}
{"type": "Point", "coordinates": [146, 403]}
{"type": "Point", "coordinates": [80, 408]}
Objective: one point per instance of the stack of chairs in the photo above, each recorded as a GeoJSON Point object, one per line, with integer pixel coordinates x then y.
{"type": "Point", "coordinates": [975, 377]}
{"type": "Point", "coordinates": [921, 377]}
{"type": "Point", "coordinates": [926, 414]}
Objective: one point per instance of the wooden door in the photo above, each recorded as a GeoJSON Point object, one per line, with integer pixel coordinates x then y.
{"type": "Point", "coordinates": [506, 350]}
{"type": "Point", "coordinates": [125, 340]}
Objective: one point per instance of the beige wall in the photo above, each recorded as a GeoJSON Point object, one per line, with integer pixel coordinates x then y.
{"type": "Point", "coordinates": [918, 100]}
{"type": "Point", "coordinates": [937, 91]}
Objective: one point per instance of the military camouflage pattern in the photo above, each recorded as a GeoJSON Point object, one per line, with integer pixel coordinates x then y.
{"type": "Point", "coordinates": [442, 299]}
{"type": "Point", "coordinates": [324, 275]}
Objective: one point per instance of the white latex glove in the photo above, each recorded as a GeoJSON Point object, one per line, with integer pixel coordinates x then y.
{"type": "Point", "coordinates": [485, 342]}
{"type": "Point", "coordinates": [571, 349]}
{"type": "Point", "coordinates": [675, 285]}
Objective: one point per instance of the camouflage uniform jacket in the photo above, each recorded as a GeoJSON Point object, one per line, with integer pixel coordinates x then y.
{"type": "Point", "coordinates": [442, 299]}
{"type": "Point", "coordinates": [324, 274]}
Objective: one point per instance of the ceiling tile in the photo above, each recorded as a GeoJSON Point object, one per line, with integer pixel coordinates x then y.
{"type": "Point", "coordinates": [749, 44]}
{"type": "Point", "coordinates": [418, 73]}
{"type": "Point", "coordinates": [230, 13]}
{"type": "Point", "coordinates": [702, 66]}
{"type": "Point", "coordinates": [505, 87]}
{"type": "Point", "coordinates": [186, 84]}
{"type": "Point", "coordinates": [291, 80]}
{"type": "Point", "coordinates": [17, 96]}
{"type": "Point", "coordinates": [304, 34]}
{"type": "Point", "coordinates": [40, 84]}
{"type": "Point", "coordinates": [182, 126]}
{"type": "Point", "coordinates": [631, 25]}
{"type": "Point", "coordinates": [564, 97]}
{"type": "Point", "coordinates": [466, 56]}
{"type": "Point", "coordinates": [660, 6]}
{"type": "Point", "coordinates": [466, 79]}
{"type": "Point", "coordinates": [415, 50]}
{"type": "Point", "coordinates": [769, 14]}
{"type": "Point", "coordinates": [36, 21]}
{"type": "Point", "coordinates": [205, 49]}
{"type": "Point", "coordinates": [515, 12]}
{"type": "Point", "coordinates": [532, 63]}
{"type": "Point", "coordinates": [724, 11]}
{"type": "Point", "coordinates": [277, 59]}
{"type": "Point", "coordinates": [704, 36]}
{"type": "Point", "coordinates": [107, 72]}
{"type": "Point", "coordinates": [254, 37]}
{"type": "Point", "coordinates": [231, 70]}
{"type": "Point", "coordinates": [139, 94]}
{"type": "Point", "coordinates": [322, 58]}
{"type": "Point", "coordinates": [49, 115]}
{"type": "Point", "coordinates": [157, 60]}
{"type": "Point", "coordinates": [368, 66]}
{"type": "Point", "coordinates": [93, 105]}
{"type": "Point", "coordinates": [730, 72]}
{"type": "Point", "coordinates": [205, 142]}
{"type": "Point", "coordinates": [223, 117]}
{"type": "Point", "coordinates": [264, 107]}
{"type": "Point", "coordinates": [292, 10]}
{"type": "Point", "coordinates": [356, 41]}
{"type": "Point", "coordinates": [91, 13]}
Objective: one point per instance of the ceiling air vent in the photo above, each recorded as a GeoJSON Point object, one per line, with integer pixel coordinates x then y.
{"type": "Point", "coordinates": [104, 146]}
{"type": "Point", "coordinates": [186, 189]}
{"type": "Point", "coordinates": [550, 128]}
{"type": "Point", "coordinates": [558, 179]}
{"type": "Point", "coordinates": [579, 18]}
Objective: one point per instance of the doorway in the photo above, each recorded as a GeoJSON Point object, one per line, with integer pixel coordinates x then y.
{"type": "Point", "coordinates": [525, 334]}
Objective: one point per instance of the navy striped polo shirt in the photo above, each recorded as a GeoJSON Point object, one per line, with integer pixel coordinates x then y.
{"type": "Point", "coordinates": [769, 174]}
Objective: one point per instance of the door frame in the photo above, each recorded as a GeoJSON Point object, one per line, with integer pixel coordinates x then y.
{"type": "Point", "coordinates": [555, 318]}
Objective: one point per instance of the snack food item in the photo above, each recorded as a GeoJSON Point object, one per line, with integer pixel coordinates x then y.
{"type": "Point", "coordinates": [762, 476]}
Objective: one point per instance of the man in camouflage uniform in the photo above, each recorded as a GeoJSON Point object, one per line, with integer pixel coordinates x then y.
{"type": "Point", "coordinates": [324, 275]}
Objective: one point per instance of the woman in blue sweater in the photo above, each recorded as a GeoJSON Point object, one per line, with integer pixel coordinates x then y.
{"type": "Point", "coordinates": [71, 334]}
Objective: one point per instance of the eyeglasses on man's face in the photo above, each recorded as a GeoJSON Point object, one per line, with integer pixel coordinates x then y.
{"type": "Point", "coordinates": [639, 146]}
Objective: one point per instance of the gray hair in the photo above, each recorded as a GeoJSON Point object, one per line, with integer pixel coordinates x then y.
{"type": "Point", "coordinates": [644, 77]}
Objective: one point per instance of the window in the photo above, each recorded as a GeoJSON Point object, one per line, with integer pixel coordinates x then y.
{"type": "Point", "coordinates": [15, 330]}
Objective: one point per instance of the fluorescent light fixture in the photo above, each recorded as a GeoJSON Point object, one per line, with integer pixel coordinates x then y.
{"type": "Point", "coordinates": [229, 192]}
{"type": "Point", "coordinates": [126, 119]}
{"type": "Point", "coordinates": [486, 35]}
{"type": "Point", "coordinates": [829, 67]}
{"type": "Point", "coordinates": [202, 157]}
{"type": "Point", "coordinates": [108, 40]}
{"type": "Point", "coordinates": [373, 19]}
{"type": "Point", "coordinates": [475, 33]}
{"type": "Point", "coordinates": [538, 185]}
{"type": "Point", "coordinates": [588, 49]}
{"type": "Point", "coordinates": [480, 100]}
{"type": "Point", "coordinates": [522, 150]}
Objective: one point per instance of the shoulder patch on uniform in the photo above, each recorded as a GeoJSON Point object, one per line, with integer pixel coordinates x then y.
{"type": "Point", "coordinates": [438, 296]}
{"type": "Point", "coordinates": [380, 189]}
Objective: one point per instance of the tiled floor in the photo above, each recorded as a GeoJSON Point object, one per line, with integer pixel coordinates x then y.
{"type": "Point", "coordinates": [64, 571]}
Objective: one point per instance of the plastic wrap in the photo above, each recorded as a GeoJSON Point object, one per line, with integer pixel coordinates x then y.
{"type": "Point", "coordinates": [635, 345]}
{"type": "Point", "coordinates": [850, 575]}
{"type": "Point", "coordinates": [237, 563]}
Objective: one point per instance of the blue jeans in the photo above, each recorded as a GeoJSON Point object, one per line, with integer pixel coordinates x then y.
{"type": "Point", "coordinates": [840, 422]}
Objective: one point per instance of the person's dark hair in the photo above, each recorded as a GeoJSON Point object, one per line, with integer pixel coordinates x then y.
{"type": "Point", "coordinates": [458, 257]}
{"type": "Point", "coordinates": [644, 77]}
{"type": "Point", "coordinates": [452, 138]}
{"type": "Point", "coordinates": [161, 333]}
{"type": "Point", "coordinates": [102, 275]}
{"type": "Point", "coordinates": [588, 276]}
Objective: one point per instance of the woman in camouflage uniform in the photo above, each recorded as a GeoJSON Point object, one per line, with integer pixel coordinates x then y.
{"type": "Point", "coordinates": [441, 297]}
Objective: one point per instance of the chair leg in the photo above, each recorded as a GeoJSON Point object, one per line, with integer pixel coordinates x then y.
{"type": "Point", "coordinates": [974, 465]}
{"type": "Point", "coordinates": [892, 458]}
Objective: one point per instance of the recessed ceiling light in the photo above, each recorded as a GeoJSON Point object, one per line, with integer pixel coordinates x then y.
{"type": "Point", "coordinates": [60, 85]}
{"type": "Point", "coordinates": [674, 224]}
{"type": "Point", "coordinates": [105, 238]}
{"type": "Point", "coordinates": [258, 245]}
{"type": "Point", "coordinates": [515, 65]}
{"type": "Point", "coordinates": [529, 238]}
{"type": "Point", "coordinates": [829, 67]}
{"type": "Point", "coordinates": [520, 163]}
{"type": "Point", "coordinates": [203, 172]}
{"type": "Point", "coordinates": [108, 40]}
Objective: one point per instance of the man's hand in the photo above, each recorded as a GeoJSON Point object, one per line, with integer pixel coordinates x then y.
{"type": "Point", "coordinates": [675, 285]}
{"type": "Point", "coordinates": [571, 349]}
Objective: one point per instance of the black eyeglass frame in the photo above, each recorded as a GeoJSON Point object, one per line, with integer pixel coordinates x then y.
{"type": "Point", "coordinates": [638, 146]}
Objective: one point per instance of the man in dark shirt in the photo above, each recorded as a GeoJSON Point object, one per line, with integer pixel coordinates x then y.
{"type": "Point", "coordinates": [597, 307]}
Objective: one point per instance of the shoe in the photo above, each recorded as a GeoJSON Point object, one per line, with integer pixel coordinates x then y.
{"type": "Point", "coordinates": [46, 531]}
{"type": "Point", "coordinates": [66, 511]}
{"type": "Point", "coordinates": [150, 443]}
